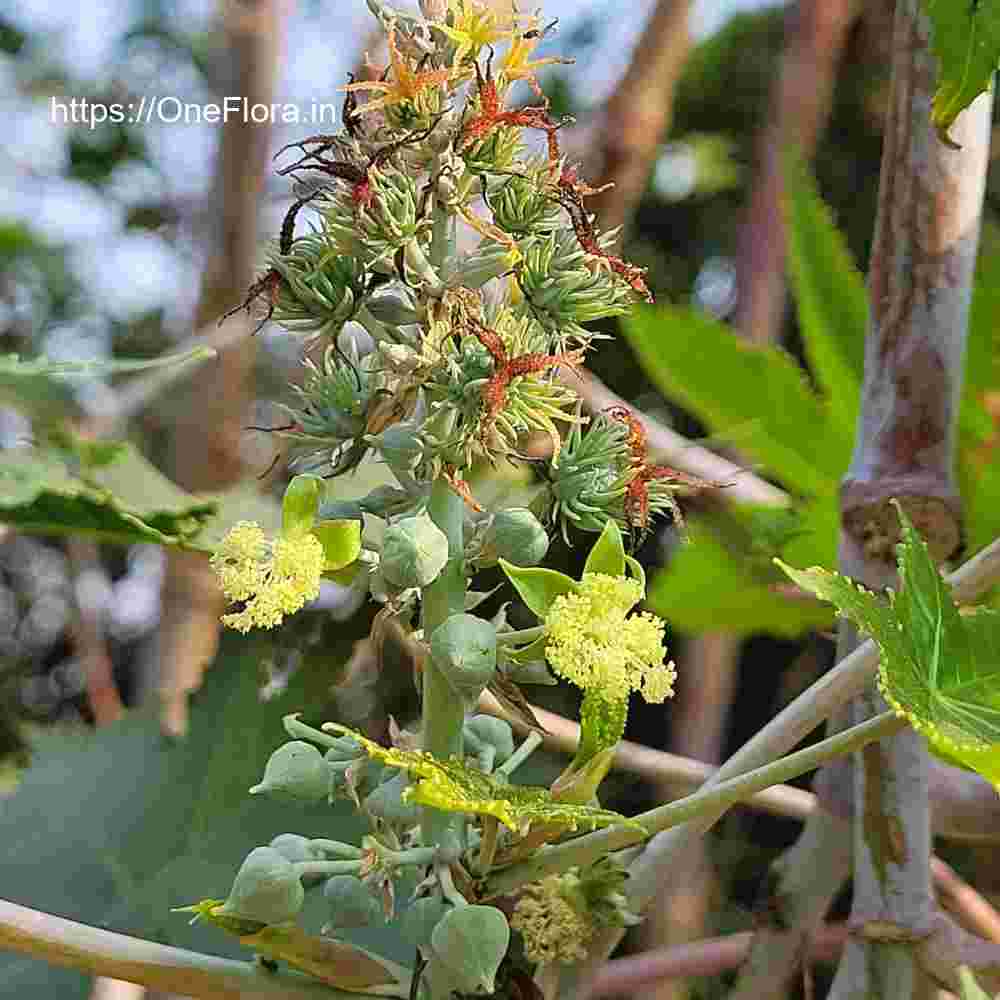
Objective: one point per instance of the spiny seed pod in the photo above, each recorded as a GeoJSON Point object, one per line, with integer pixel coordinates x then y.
{"type": "Point", "coordinates": [517, 536]}
{"type": "Point", "coordinates": [351, 903]}
{"type": "Point", "coordinates": [266, 888]}
{"type": "Point", "coordinates": [484, 729]}
{"type": "Point", "coordinates": [387, 802]}
{"type": "Point", "coordinates": [464, 649]}
{"type": "Point", "coordinates": [296, 770]}
{"type": "Point", "coordinates": [471, 942]}
{"type": "Point", "coordinates": [414, 551]}
{"type": "Point", "coordinates": [419, 920]}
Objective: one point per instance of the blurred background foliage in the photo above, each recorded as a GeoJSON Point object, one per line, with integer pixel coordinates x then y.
{"type": "Point", "coordinates": [101, 254]}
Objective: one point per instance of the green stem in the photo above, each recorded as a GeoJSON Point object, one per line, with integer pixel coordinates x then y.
{"type": "Point", "coordinates": [443, 711]}
{"type": "Point", "coordinates": [531, 743]}
{"type": "Point", "coordinates": [327, 868]}
{"type": "Point", "coordinates": [590, 848]}
{"type": "Point", "coordinates": [336, 847]}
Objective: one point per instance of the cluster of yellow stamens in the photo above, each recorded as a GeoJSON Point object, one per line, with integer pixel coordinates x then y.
{"type": "Point", "coordinates": [554, 930]}
{"type": "Point", "coordinates": [592, 641]}
{"type": "Point", "coordinates": [272, 577]}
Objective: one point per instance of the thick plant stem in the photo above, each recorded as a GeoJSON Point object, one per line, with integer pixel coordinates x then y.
{"type": "Point", "coordinates": [590, 848]}
{"type": "Point", "coordinates": [920, 286]}
{"type": "Point", "coordinates": [443, 711]}
{"type": "Point", "coordinates": [73, 945]}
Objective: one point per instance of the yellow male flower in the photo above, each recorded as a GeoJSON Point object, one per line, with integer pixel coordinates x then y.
{"type": "Point", "coordinates": [272, 577]}
{"type": "Point", "coordinates": [591, 638]}
{"type": "Point", "coordinates": [594, 643]}
{"type": "Point", "coordinates": [554, 930]}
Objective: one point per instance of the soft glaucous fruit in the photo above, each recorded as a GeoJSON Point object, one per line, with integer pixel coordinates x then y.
{"type": "Point", "coordinates": [266, 888]}
{"type": "Point", "coordinates": [414, 551]}
{"type": "Point", "coordinates": [387, 802]}
{"type": "Point", "coordinates": [517, 536]}
{"type": "Point", "coordinates": [295, 847]}
{"type": "Point", "coordinates": [420, 918]}
{"type": "Point", "coordinates": [484, 729]}
{"type": "Point", "coordinates": [351, 903]}
{"type": "Point", "coordinates": [464, 649]}
{"type": "Point", "coordinates": [471, 942]}
{"type": "Point", "coordinates": [296, 770]}
{"type": "Point", "coordinates": [344, 748]}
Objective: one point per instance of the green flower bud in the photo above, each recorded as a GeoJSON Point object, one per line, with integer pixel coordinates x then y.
{"type": "Point", "coordinates": [483, 730]}
{"type": "Point", "coordinates": [300, 503]}
{"type": "Point", "coordinates": [296, 770]}
{"type": "Point", "coordinates": [517, 536]}
{"type": "Point", "coordinates": [351, 903]}
{"type": "Point", "coordinates": [419, 920]}
{"type": "Point", "coordinates": [471, 942]}
{"type": "Point", "coordinates": [414, 551]}
{"type": "Point", "coordinates": [387, 802]}
{"type": "Point", "coordinates": [400, 445]}
{"type": "Point", "coordinates": [345, 748]}
{"type": "Point", "coordinates": [295, 848]}
{"type": "Point", "coordinates": [392, 309]}
{"type": "Point", "coordinates": [266, 888]}
{"type": "Point", "coordinates": [464, 649]}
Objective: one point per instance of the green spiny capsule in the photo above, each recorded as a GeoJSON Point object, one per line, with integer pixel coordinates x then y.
{"type": "Point", "coordinates": [419, 920]}
{"type": "Point", "coordinates": [414, 551]}
{"type": "Point", "coordinates": [517, 536]}
{"type": "Point", "coordinates": [485, 729]}
{"type": "Point", "coordinates": [296, 770]}
{"type": "Point", "coordinates": [471, 942]}
{"type": "Point", "coordinates": [387, 802]}
{"type": "Point", "coordinates": [464, 649]}
{"type": "Point", "coordinates": [266, 888]}
{"type": "Point", "coordinates": [351, 903]}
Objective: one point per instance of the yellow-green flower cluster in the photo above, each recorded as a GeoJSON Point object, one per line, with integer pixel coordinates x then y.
{"type": "Point", "coordinates": [592, 641]}
{"type": "Point", "coordinates": [553, 929]}
{"type": "Point", "coordinates": [272, 577]}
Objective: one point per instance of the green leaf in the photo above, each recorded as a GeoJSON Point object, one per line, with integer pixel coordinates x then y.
{"type": "Point", "coordinates": [829, 292]}
{"type": "Point", "coordinates": [969, 986]}
{"type": "Point", "coordinates": [113, 827]}
{"type": "Point", "coordinates": [341, 541]}
{"type": "Point", "coordinates": [966, 40]}
{"type": "Point", "coordinates": [938, 668]}
{"type": "Point", "coordinates": [454, 786]}
{"type": "Point", "coordinates": [299, 505]}
{"type": "Point", "coordinates": [538, 587]}
{"type": "Point", "coordinates": [711, 584]}
{"type": "Point", "coordinates": [757, 397]}
{"type": "Point", "coordinates": [40, 389]}
{"type": "Point", "coordinates": [608, 553]}
{"type": "Point", "coordinates": [125, 502]}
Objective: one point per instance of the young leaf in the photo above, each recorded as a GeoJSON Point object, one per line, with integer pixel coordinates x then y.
{"type": "Point", "coordinates": [536, 586]}
{"type": "Point", "coordinates": [756, 397]}
{"type": "Point", "coordinates": [299, 505]}
{"type": "Point", "coordinates": [938, 668]}
{"type": "Point", "coordinates": [608, 553]}
{"type": "Point", "coordinates": [829, 292]}
{"type": "Point", "coordinates": [341, 541]}
{"type": "Point", "coordinates": [454, 786]}
{"type": "Point", "coordinates": [966, 40]}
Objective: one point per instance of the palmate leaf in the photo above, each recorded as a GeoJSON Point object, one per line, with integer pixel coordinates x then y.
{"type": "Point", "coordinates": [829, 292]}
{"type": "Point", "coordinates": [966, 41]}
{"type": "Point", "coordinates": [39, 494]}
{"type": "Point", "coordinates": [938, 668]}
{"type": "Point", "coordinates": [756, 397]}
{"type": "Point", "coordinates": [454, 786]}
{"type": "Point", "coordinates": [39, 387]}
